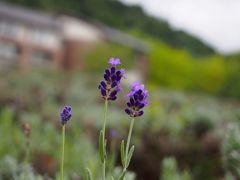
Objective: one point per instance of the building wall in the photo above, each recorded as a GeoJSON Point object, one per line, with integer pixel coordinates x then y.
{"type": "Point", "coordinates": [38, 45]}
{"type": "Point", "coordinates": [28, 45]}
{"type": "Point", "coordinates": [78, 30]}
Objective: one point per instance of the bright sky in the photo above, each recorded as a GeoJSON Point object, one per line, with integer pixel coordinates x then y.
{"type": "Point", "coordinates": [216, 22]}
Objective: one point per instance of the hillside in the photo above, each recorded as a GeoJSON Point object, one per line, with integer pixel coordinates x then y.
{"type": "Point", "coordinates": [125, 17]}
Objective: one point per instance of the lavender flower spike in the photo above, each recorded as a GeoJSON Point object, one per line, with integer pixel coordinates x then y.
{"type": "Point", "coordinates": [110, 86]}
{"type": "Point", "coordinates": [138, 99]}
{"type": "Point", "coordinates": [66, 114]}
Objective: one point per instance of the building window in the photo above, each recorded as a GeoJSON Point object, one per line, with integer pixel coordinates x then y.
{"type": "Point", "coordinates": [40, 58]}
{"type": "Point", "coordinates": [11, 30]}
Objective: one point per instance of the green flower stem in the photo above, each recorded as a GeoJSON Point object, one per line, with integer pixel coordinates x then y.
{"type": "Point", "coordinates": [128, 140]}
{"type": "Point", "coordinates": [105, 117]}
{"type": "Point", "coordinates": [62, 159]}
{"type": "Point", "coordinates": [104, 169]}
{"type": "Point", "coordinates": [103, 129]}
{"type": "Point", "coordinates": [127, 150]}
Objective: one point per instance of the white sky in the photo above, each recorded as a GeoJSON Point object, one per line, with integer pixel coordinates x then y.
{"type": "Point", "coordinates": [216, 22]}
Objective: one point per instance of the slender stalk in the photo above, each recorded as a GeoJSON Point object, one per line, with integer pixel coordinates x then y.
{"type": "Point", "coordinates": [104, 169]}
{"type": "Point", "coordinates": [26, 158]}
{"type": "Point", "coordinates": [105, 116]}
{"type": "Point", "coordinates": [62, 159]}
{"type": "Point", "coordinates": [128, 140]}
{"type": "Point", "coordinates": [27, 152]}
{"type": "Point", "coordinates": [103, 129]}
{"type": "Point", "coordinates": [127, 149]}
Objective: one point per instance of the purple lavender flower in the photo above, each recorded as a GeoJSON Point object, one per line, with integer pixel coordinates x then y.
{"type": "Point", "coordinates": [110, 86]}
{"type": "Point", "coordinates": [138, 99]}
{"type": "Point", "coordinates": [66, 114]}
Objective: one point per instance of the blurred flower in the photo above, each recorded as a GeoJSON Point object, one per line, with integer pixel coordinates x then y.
{"type": "Point", "coordinates": [113, 133]}
{"type": "Point", "coordinates": [138, 99]}
{"type": "Point", "coordinates": [26, 127]}
{"type": "Point", "coordinates": [110, 86]}
{"type": "Point", "coordinates": [66, 114]}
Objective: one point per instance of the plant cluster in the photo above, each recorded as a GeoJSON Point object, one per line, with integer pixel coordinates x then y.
{"type": "Point", "coordinates": [109, 88]}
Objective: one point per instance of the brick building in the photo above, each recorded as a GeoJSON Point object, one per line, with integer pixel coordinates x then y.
{"type": "Point", "coordinates": [33, 38]}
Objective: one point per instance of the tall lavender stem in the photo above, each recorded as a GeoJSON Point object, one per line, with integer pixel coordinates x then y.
{"type": "Point", "coordinates": [109, 88]}
{"type": "Point", "coordinates": [138, 99]}
{"type": "Point", "coordinates": [105, 116]}
{"type": "Point", "coordinates": [62, 156]}
{"type": "Point", "coordinates": [65, 116]}
{"type": "Point", "coordinates": [103, 130]}
{"type": "Point", "coordinates": [128, 140]}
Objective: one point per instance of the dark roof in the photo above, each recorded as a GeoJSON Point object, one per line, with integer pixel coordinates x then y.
{"type": "Point", "coordinates": [31, 17]}
{"type": "Point", "coordinates": [125, 39]}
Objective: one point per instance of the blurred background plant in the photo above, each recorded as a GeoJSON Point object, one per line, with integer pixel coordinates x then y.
{"type": "Point", "coordinates": [230, 149]}
{"type": "Point", "coordinates": [170, 170]}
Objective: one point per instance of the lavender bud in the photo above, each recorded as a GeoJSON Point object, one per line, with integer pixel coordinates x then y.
{"type": "Point", "coordinates": [128, 111]}
{"type": "Point", "coordinates": [103, 84]}
{"type": "Point", "coordinates": [66, 114]}
{"type": "Point", "coordinates": [113, 70]}
{"type": "Point", "coordinates": [103, 92]}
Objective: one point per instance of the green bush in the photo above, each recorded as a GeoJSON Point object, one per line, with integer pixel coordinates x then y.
{"type": "Point", "coordinates": [170, 170]}
{"type": "Point", "coordinates": [231, 150]}
{"type": "Point", "coordinates": [177, 69]}
{"type": "Point", "coordinates": [95, 59]}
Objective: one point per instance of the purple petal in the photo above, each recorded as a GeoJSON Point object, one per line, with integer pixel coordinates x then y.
{"type": "Point", "coordinates": [114, 93]}
{"type": "Point", "coordinates": [128, 111]}
{"type": "Point", "coordinates": [106, 77]}
{"type": "Point", "coordinates": [114, 61]}
{"type": "Point", "coordinates": [140, 113]}
{"type": "Point", "coordinates": [113, 98]}
{"type": "Point", "coordinates": [103, 84]}
{"type": "Point", "coordinates": [113, 69]}
{"type": "Point", "coordinates": [134, 84]}
{"type": "Point", "coordinates": [103, 92]}
{"type": "Point", "coordinates": [107, 71]}
{"type": "Point", "coordinates": [114, 84]}
{"type": "Point", "coordinates": [129, 104]}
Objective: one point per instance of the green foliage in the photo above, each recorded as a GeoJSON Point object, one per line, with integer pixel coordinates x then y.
{"type": "Point", "coordinates": [122, 153]}
{"type": "Point", "coordinates": [174, 111]}
{"type": "Point", "coordinates": [232, 85]}
{"type": "Point", "coordinates": [95, 59]}
{"type": "Point", "coordinates": [128, 175]}
{"type": "Point", "coordinates": [129, 156]}
{"type": "Point", "coordinates": [178, 69]}
{"type": "Point", "coordinates": [11, 169]}
{"type": "Point", "coordinates": [174, 68]}
{"type": "Point", "coordinates": [170, 170]}
{"type": "Point", "coordinates": [231, 150]}
{"type": "Point", "coordinates": [11, 134]}
{"type": "Point", "coordinates": [198, 123]}
{"type": "Point", "coordinates": [89, 174]}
